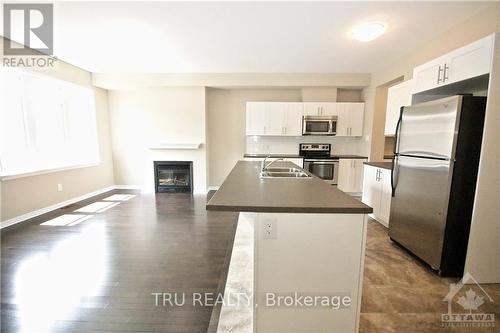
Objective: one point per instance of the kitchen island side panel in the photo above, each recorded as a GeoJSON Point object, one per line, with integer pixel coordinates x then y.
{"type": "Point", "coordinates": [311, 254]}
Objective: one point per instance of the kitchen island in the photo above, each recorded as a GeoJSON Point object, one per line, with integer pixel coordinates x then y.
{"type": "Point", "coordinates": [307, 241]}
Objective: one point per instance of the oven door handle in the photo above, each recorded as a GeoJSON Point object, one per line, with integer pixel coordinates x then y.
{"type": "Point", "coordinates": [322, 162]}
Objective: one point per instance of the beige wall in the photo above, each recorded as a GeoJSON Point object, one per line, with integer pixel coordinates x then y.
{"type": "Point", "coordinates": [226, 109]}
{"type": "Point", "coordinates": [466, 32]}
{"type": "Point", "coordinates": [142, 118]}
{"type": "Point", "coordinates": [23, 195]}
{"type": "Point", "coordinates": [319, 94]}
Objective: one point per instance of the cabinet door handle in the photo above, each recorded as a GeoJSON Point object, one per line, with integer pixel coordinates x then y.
{"type": "Point", "coordinates": [439, 74]}
{"type": "Point", "coordinates": [446, 67]}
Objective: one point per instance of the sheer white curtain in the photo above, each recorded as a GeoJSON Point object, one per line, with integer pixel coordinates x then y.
{"type": "Point", "coordinates": [45, 124]}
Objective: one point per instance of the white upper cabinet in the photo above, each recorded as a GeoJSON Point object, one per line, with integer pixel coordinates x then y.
{"type": "Point", "coordinates": [350, 119]}
{"type": "Point", "coordinates": [320, 109]}
{"type": "Point", "coordinates": [293, 119]}
{"type": "Point", "coordinates": [397, 96]}
{"type": "Point", "coordinates": [285, 118]}
{"type": "Point", "coordinates": [312, 109]}
{"type": "Point", "coordinates": [466, 62]}
{"type": "Point", "coordinates": [274, 118]}
{"type": "Point", "coordinates": [256, 118]}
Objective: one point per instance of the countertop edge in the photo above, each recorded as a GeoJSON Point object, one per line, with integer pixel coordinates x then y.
{"type": "Point", "coordinates": [295, 210]}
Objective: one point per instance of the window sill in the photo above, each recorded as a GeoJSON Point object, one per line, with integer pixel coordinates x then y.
{"type": "Point", "coordinates": [46, 171]}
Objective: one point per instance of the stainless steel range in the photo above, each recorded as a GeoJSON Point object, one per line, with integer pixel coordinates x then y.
{"type": "Point", "coordinates": [317, 160]}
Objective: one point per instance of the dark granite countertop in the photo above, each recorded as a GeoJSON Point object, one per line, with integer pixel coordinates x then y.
{"type": "Point", "coordinates": [244, 191]}
{"type": "Point", "coordinates": [298, 156]}
{"type": "Point", "coordinates": [382, 165]}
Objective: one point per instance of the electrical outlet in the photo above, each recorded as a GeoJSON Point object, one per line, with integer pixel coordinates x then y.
{"type": "Point", "coordinates": [269, 229]}
{"type": "Point", "coordinates": [59, 187]}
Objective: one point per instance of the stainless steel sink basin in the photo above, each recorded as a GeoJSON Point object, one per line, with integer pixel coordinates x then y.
{"type": "Point", "coordinates": [284, 173]}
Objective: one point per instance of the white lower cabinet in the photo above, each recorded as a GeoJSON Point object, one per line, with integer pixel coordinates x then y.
{"type": "Point", "coordinates": [350, 175]}
{"type": "Point", "coordinates": [377, 192]}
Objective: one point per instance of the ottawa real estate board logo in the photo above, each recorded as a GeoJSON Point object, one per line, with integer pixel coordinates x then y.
{"type": "Point", "coordinates": [29, 32]}
{"type": "Point", "coordinates": [465, 300]}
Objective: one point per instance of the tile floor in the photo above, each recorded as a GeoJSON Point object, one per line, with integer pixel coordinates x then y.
{"type": "Point", "coordinates": [400, 294]}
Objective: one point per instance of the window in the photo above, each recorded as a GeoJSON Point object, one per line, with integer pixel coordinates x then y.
{"type": "Point", "coordinates": [45, 124]}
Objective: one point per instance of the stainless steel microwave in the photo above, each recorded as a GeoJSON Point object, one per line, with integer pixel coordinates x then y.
{"type": "Point", "coordinates": [319, 125]}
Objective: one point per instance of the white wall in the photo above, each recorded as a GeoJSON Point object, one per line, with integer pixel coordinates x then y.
{"type": "Point", "coordinates": [142, 118]}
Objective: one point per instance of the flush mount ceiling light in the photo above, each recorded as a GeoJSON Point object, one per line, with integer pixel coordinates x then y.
{"type": "Point", "coordinates": [368, 31]}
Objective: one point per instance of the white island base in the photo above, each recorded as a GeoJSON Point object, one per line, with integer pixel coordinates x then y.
{"type": "Point", "coordinates": [279, 254]}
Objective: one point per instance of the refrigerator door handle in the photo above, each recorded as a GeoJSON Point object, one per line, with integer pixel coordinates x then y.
{"type": "Point", "coordinates": [393, 171]}
{"type": "Point", "coordinates": [396, 135]}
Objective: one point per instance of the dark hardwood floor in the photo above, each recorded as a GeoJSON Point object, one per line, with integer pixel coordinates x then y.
{"type": "Point", "coordinates": [99, 275]}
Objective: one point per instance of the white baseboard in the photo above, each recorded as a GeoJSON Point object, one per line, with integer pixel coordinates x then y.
{"type": "Point", "coordinates": [30, 215]}
{"type": "Point", "coordinates": [213, 188]}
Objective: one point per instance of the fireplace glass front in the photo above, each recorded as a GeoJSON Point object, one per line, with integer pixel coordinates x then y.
{"type": "Point", "coordinates": [173, 176]}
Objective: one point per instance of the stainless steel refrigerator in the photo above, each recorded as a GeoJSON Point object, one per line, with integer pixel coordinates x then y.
{"type": "Point", "coordinates": [436, 159]}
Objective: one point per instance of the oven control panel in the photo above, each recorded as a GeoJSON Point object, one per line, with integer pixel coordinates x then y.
{"type": "Point", "coordinates": [315, 147]}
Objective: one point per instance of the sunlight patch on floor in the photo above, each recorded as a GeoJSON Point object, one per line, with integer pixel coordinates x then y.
{"type": "Point", "coordinates": [119, 197]}
{"type": "Point", "coordinates": [67, 220]}
{"type": "Point", "coordinates": [97, 207]}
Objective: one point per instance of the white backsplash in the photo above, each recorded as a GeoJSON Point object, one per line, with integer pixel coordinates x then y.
{"type": "Point", "coordinates": [290, 145]}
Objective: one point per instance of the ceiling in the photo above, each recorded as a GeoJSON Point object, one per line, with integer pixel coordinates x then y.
{"type": "Point", "coordinates": [237, 37]}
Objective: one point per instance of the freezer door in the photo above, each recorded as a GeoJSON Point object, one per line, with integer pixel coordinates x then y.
{"type": "Point", "coordinates": [419, 206]}
{"type": "Point", "coordinates": [429, 129]}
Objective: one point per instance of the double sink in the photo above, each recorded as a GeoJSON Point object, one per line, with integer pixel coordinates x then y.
{"type": "Point", "coordinates": [284, 172]}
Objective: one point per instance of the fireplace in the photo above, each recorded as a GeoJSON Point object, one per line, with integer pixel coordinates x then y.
{"type": "Point", "coordinates": [173, 176]}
